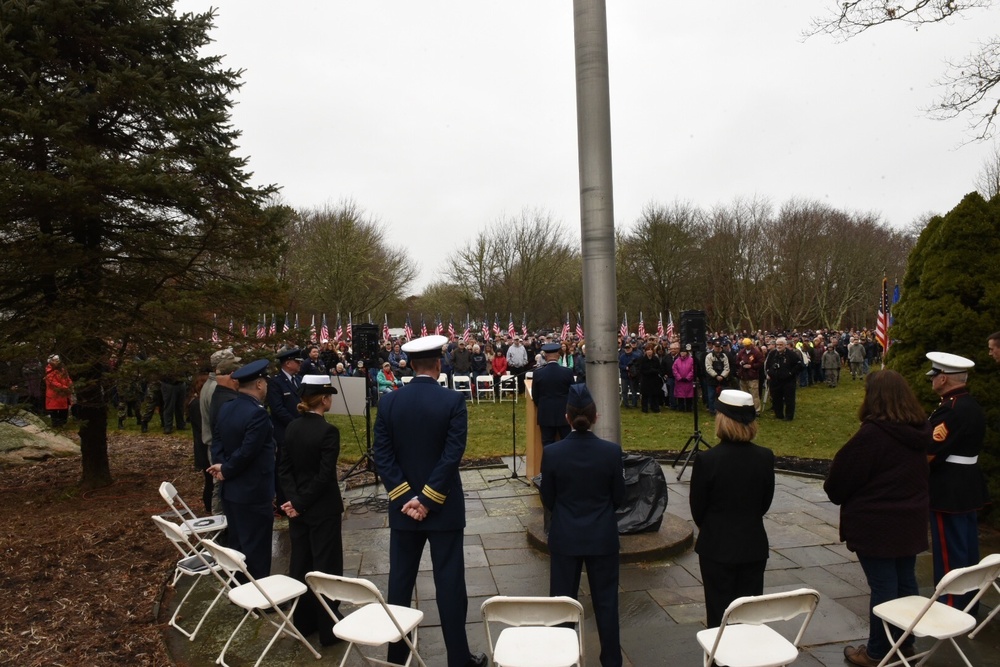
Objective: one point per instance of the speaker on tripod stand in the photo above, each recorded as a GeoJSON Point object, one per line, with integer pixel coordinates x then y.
{"type": "Point", "coordinates": [693, 339]}
{"type": "Point", "coordinates": [365, 344]}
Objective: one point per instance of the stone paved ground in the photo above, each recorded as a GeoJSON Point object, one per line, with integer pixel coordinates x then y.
{"type": "Point", "coordinates": [662, 605]}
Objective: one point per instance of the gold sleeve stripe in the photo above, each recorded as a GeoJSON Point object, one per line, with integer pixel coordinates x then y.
{"type": "Point", "coordinates": [399, 490]}
{"type": "Point", "coordinates": [433, 495]}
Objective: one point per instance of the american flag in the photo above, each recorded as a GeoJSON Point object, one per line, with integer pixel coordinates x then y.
{"type": "Point", "coordinates": [350, 328]}
{"type": "Point", "coordinates": [338, 333]}
{"type": "Point", "coordinates": [408, 328]}
{"type": "Point", "coordinates": [451, 329]}
{"type": "Point", "coordinates": [623, 329]}
{"type": "Point", "coordinates": [659, 326]}
{"type": "Point", "coordinates": [486, 327]}
{"type": "Point", "coordinates": [565, 330]}
{"type": "Point", "coordinates": [496, 325]}
{"type": "Point", "coordinates": [438, 326]}
{"type": "Point", "coordinates": [284, 326]}
{"type": "Point", "coordinates": [524, 325]}
{"type": "Point", "coordinates": [215, 331]}
{"type": "Point", "coordinates": [312, 330]}
{"type": "Point", "coordinates": [385, 328]}
{"type": "Point", "coordinates": [670, 326]}
{"type": "Point", "coordinates": [423, 326]}
{"type": "Point", "coordinates": [274, 324]}
{"type": "Point", "coordinates": [468, 329]}
{"type": "Point", "coordinates": [510, 326]}
{"type": "Point", "coordinates": [261, 330]}
{"type": "Point", "coordinates": [324, 330]}
{"type": "Point", "coordinates": [882, 318]}
{"type": "Point", "coordinates": [579, 327]}
{"type": "Point", "coordinates": [296, 321]}
{"type": "Point", "coordinates": [231, 329]}
{"type": "Point", "coordinates": [642, 326]}
{"type": "Point", "coordinates": [243, 329]}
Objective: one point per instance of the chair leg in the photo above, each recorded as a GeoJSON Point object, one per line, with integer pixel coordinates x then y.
{"type": "Point", "coordinates": [972, 635]}
{"type": "Point", "coordinates": [286, 627]}
{"type": "Point", "coordinates": [173, 619]}
{"type": "Point", "coordinates": [221, 660]}
{"type": "Point", "coordinates": [207, 612]}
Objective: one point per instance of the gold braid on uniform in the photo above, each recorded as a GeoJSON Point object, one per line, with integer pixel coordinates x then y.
{"type": "Point", "coordinates": [399, 490]}
{"type": "Point", "coordinates": [433, 495]}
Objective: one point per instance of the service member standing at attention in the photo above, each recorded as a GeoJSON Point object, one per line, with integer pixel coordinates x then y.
{"type": "Point", "coordinates": [582, 484]}
{"type": "Point", "coordinates": [283, 401]}
{"type": "Point", "coordinates": [420, 435]}
{"type": "Point", "coordinates": [243, 452]}
{"type": "Point", "coordinates": [732, 486]}
{"type": "Point", "coordinates": [957, 485]}
{"type": "Point", "coordinates": [549, 390]}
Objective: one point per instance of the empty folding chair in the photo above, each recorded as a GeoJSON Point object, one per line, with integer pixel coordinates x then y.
{"type": "Point", "coordinates": [193, 563]}
{"type": "Point", "coordinates": [926, 617]}
{"type": "Point", "coordinates": [744, 641]}
{"type": "Point", "coordinates": [205, 526]}
{"type": "Point", "coordinates": [508, 386]}
{"type": "Point", "coordinates": [462, 384]}
{"type": "Point", "coordinates": [484, 386]}
{"type": "Point", "coordinates": [260, 597]}
{"type": "Point", "coordinates": [532, 638]}
{"type": "Point", "coordinates": [972, 635]}
{"type": "Point", "coordinates": [443, 380]}
{"type": "Point", "coordinates": [406, 379]}
{"type": "Point", "coordinates": [374, 623]}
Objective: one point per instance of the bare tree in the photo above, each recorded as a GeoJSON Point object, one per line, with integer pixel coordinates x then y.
{"type": "Point", "coordinates": [988, 179]}
{"type": "Point", "coordinates": [968, 82]}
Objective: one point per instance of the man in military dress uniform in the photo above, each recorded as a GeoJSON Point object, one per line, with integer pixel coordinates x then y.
{"type": "Point", "coordinates": [420, 436]}
{"type": "Point", "coordinates": [243, 455]}
{"type": "Point", "coordinates": [283, 401]}
{"type": "Point", "coordinates": [957, 485]}
{"type": "Point", "coordinates": [549, 389]}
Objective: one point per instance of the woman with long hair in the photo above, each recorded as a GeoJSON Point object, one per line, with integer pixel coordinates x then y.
{"type": "Point", "coordinates": [732, 485]}
{"type": "Point", "coordinates": [880, 480]}
{"type": "Point", "coordinates": [582, 485]}
{"type": "Point", "coordinates": [307, 471]}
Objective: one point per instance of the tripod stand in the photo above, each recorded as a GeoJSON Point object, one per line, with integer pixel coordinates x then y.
{"type": "Point", "coordinates": [366, 463]}
{"type": "Point", "coordinates": [511, 382]}
{"type": "Point", "coordinates": [695, 440]}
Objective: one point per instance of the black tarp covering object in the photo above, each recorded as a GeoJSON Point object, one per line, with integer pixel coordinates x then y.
{"type": "Point", "coordinates": [645, 495]}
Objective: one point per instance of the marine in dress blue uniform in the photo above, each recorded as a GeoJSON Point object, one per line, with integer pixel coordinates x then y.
{"type": "Point", "coordinates": [243, 451]}
{"type": "Point", "coordinates": [282, 402]}
{"type": "Point", "coordinates": [420, 437]}
{"type": "Point", "coordinates": [549, 389]}
{"type": "Point", "coordinates": [583, 483]}
{"type": "Point", "coordinates": [957, 485]}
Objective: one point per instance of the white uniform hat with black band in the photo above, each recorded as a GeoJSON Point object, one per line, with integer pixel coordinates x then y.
{"type": "Point", "coordinates": [426, 347]}
{"type": "Point", "coordinates": [315, 385]}
{"type": "Point", "coordinates": [948, 364]}
{"type": "Point", "coordinates": [737, 405]}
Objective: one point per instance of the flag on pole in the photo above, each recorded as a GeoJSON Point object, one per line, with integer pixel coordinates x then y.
{"type": "Point", "coordinates": [623, 330]}
{"type": "Point", "coordinates": [524, 324]}
{"type": "Point", "coordinates": [670, 326]}
{"type": "Point", "coordinates": [338, 333]}
{"type": "Point", "coordinates": [895, 300]}
{"type": "Point", "coordinates": [349, 333]}
{"type": "Point", "coordinates": [468, 329]}
{"type": "Point", "coordinates": [215, 330]}
{"type": "Point", "coordinates": [423, 326]}
{"type": "Point", "coordinates": [312, 330]}
{"type": "Point", "coordinates": [439, 327]}
{"type": "Point", "coordinates": [408, 328]}
{"type": "Point", "coordinates": [296, 321]}
{"type": "Point", "coordinates": [260, 327]}
{"type": "Point", "coordinates": [486, 328]}
{"type": "Point", "coordinates": [659, 326]}
{"type": "Point", "coordinates": [274, 324]}
{"type": "Point", "coordinates": [642, 327]}
{"type": "Point", "coordinates": [565, 330]}
{"type": "Point", "coordinates": [882, 318]}
{"type": "Point", "coordinates": [243, 329]}
{"type": "Point", "coordinates": [231, 329]}
{"type": "Point", "coordinates": [510, 325]}
{"type": "Point", "coordinates": [284, 326]}
{"type": "Point", "coordinates": [496, 325]}
{"type": "Point", "coordinates": [579, 326]}
{"type": "Point", "coordinates": [451, 328]}
{"type": "Point", "coordinates": [385, 328]}
{"type": "Point", "coordinates": [324, 330]}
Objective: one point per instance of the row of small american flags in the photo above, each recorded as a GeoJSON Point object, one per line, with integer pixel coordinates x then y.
{"type": "Point", "coordinates": [661, 331]}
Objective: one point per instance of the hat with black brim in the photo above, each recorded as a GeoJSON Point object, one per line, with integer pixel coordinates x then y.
{"type": "Point", "coordinates": [425, 347]}
{"type": "Point", "coordinates": [737, 405]}
{"type": "Point", "coordinates": [316, 385]}
{"type": "Point", "coordinates": [948, 364]}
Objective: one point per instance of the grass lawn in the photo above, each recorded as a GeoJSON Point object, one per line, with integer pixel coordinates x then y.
{"type": "Point", "coordinates": [824, 420]}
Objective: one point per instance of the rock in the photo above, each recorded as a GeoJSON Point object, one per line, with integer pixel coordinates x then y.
{"type": "Point", "coordinates": [24, 438]}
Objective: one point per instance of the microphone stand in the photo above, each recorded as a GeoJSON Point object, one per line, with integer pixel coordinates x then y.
{"type": "Point", "coordinates": [512, 382]}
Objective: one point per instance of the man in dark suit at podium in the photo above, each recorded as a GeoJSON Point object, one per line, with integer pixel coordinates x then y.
{"type": "Point", "coordinates": [549, 389]}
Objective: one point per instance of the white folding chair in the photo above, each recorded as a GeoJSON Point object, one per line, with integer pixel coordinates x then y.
{"type": "Point", "coordinates": [972, 635]}
{"type": "Point", "coordinates": [508, 386]}
{"type": "Point", "coordinates": [926, 617]}
{"type": "Point", "coordinates": [443, 380]}
{"type": "Point", "coordinates": [484, 385]}
{"type": "Point", "coordinates": [260, 597]}
{"type": "Point", "coordinates": [192, 524]}
{"type": "Point", "coordinates": [532, 640]}
{"type": "Point", "coordinates": [744, 641]}
{"type": "Point", "coordinates": [374, 623]}
{"type": "Point", "coordinates": [463, 385]}
{"type": "Point", "coordinates": [193, 563]}
{"type": "Point", "coordinates": [407, 379]}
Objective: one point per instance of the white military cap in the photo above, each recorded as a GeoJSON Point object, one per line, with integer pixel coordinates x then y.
{"type": "Point", "coordinates": [943, 362]}
{"type": "Point", "coordinates": [736, 405]}
{"type": "Point", "coordinates": [313, 385]}
{"type": "Point", "coordinates": [427, 347]}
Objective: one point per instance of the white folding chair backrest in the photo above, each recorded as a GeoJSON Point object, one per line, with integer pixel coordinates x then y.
{"type": "Point", "coordinates": [192, 522]}
{"type": "Point", "coordinates": [345, 589]}
{"type": "Point", "coordinates": [484, 384]}
{"type": "Point", "coordinates": [462, 384]}
{"type": "Point", "coordinates": [535, 612]}
{"type": "Point", "coordinates": [407, 379]}
{"type": "Point", "coordinates": [992, 558]}
{"type": "Point", "coordinates": [178, 538]}
{"type": "Point", "coordinates": [974, 577]}
{"type": "Point", "coordinates": [443, 380]}
{"type": "Point", "coordinates": [760, 609]}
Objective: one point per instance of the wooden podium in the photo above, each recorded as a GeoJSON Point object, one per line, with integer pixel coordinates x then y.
{"type": "Point", "coordinates": [533, 436]}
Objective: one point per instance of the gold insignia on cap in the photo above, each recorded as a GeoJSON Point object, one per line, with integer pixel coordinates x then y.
{"type": "Point", "coordinates": [940, 432]}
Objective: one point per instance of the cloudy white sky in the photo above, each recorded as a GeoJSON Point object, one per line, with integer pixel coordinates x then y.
{"type": "Point", "coordinates": [438, 117]}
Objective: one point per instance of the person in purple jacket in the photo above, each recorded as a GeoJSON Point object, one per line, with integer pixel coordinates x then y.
{"type": "Point", "coordinates": [880, 480]}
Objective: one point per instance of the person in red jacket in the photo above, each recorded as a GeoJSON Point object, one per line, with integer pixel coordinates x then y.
{"type": "Point", "coordinates": [58, 391]}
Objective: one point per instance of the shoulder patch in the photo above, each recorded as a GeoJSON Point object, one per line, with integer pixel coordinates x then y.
{"type": "Point", "coordinates": [940, 432]}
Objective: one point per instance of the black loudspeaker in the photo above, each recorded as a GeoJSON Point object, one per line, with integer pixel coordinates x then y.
{"type": "Point", "coordinates": [693, 330]}
{"type": "Point", "coordinates": [364, 341]}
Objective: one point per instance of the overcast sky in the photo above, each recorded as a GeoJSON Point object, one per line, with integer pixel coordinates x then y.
{"type": "Point", "coordinates": [439, 117]}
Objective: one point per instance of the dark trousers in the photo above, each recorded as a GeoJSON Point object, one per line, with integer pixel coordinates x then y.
{"type": "Point", "coordinates": [724, 582]}
{"type": "Point", "coordinates": [552, 433]}
{"type": "Point", "coordinates": [448, 562]}
{"type": "Point", "coordinates": [315, 546]}
{"type": "Point", "coordinates": [888, 579]}
{"type": "Point", "coordinates": [59, 417]}
{"type": "Point", "coordinates": [652, 393]}
{"type": "Point", "coordinates": [602, 573]}
{"type": "Point", "coordinates": [783, 398]}
{"type": "Point", "coordinates": [173, 405]}
{"type": "Point", "coordinates": [955, 543]}
{"type": "Point", "coordinates": [249, 528]}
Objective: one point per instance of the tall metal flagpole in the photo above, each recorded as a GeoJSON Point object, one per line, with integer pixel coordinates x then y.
{"type": "Point", "coordinates": [597, 220]}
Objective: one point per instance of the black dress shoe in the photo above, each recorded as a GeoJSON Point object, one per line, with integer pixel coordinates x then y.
{"type": "Point", "coordinates": [477, 660]}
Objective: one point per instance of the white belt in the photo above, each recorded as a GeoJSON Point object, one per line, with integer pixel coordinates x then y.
{"type": "Point", "coordinates": [964, 460]}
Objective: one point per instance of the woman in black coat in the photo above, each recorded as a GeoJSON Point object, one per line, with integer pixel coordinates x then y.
{"type": "Point", "coordinates": [732, 485]}
{"type": "Point", "coordinates": [650, 380]}
{"type": "Point", "coordinates": [308, 474]}
{"type": "Point", "coordinates": [880, 480]}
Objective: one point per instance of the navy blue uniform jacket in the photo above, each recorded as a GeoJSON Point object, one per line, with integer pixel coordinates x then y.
{"type": "Point", "coordinates": [583, 482]}
{"type": "Point", "coordinates": [243, 442]}
{"type": "Point", "coordinates": [549, 389]}
{"type": "Point", "coordinates": [959, 426]}
{"type": "Point", "coordinates": [420, 435]}
{"type": "Point", "coordinates": [283, 402]}
{"type": "Point", "coordinates": [308, 468]}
